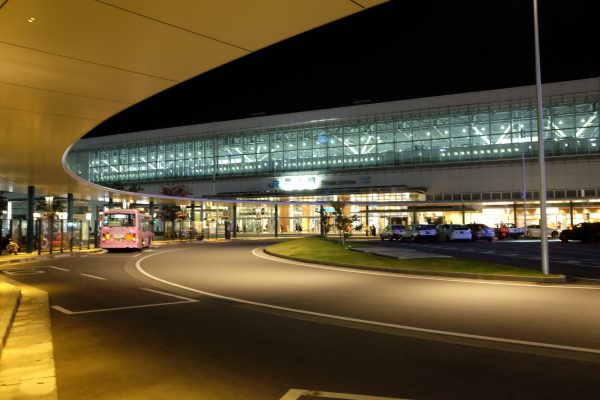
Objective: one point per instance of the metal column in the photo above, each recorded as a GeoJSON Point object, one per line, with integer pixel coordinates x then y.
{"type": "Point", "coordinates": [30, 222]}
{"type": "Point", "coordinates": [276, 222]}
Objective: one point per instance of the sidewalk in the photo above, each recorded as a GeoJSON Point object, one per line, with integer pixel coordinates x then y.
{"type": "Point", "coordinates": [29, 257]}
{"type": "Point", "coordinates": [26, 352]}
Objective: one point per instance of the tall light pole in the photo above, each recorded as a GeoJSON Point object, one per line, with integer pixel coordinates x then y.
{"type": "Point", "coordinates": [542, 164]}
{"type": "Point", "coordinates": [524, 191]}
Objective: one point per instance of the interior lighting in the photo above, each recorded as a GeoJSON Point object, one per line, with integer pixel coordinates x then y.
{"type": "Point", "coordinates": [31, 19]}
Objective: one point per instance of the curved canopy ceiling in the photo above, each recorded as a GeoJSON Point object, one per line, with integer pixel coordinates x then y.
{"type": "Point", "coordinates": [67, 65]}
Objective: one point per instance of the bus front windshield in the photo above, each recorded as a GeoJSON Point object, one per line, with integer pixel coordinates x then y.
{"type": "Point", "coordinates": [116, 220]}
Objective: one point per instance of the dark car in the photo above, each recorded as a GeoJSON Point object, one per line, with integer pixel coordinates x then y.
{"type": "Point", "coordinates": [482, 232]}
{"type": "Point", "coordinates": [392, 232]}
{"type": "Point", "coordinates": [586, 232]}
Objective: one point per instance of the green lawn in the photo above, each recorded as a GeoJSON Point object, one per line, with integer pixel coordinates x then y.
{"type": "Point", "coordinates": [330, 250]}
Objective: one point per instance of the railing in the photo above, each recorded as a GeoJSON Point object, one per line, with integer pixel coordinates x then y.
{"type": "Point", "coordinates": [50, 235]}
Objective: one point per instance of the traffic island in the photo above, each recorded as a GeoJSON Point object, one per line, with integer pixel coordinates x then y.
{"type": "Point", "coordinates": [331, 252]}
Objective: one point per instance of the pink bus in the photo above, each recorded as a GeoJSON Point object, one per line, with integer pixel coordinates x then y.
{"type": "Point", "coordinates": [125, 229]}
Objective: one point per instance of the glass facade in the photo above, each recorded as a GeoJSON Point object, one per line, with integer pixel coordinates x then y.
{"type": "Point", "coordinates": [482, 134]}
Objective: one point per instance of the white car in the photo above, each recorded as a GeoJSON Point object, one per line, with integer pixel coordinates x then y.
{"type": "Point", "coordinates": [419, 232]}
{"type": "Point", "coordinates": [535, 231]}
{"type": "Point", "coordinates": [448, 232]}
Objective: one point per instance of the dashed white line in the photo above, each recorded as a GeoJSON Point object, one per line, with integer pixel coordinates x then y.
{"type": "Point", "coordinates": [94, 276]}
{"type": "Point", "coordinates": [69, 312]}
{"type": "Point", "coordinates": [168, 294]}
{"type": "Point", "coordinates": [295, 394]}
{"type": "Point", "coordinates": [60, 269]}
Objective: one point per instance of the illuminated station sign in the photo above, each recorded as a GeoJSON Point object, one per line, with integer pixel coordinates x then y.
{"type": "Point", "coordinates": [297, 182]}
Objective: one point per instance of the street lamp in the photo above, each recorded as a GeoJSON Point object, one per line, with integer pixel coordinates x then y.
{"type": "Point", "coordinates": [542, 163]}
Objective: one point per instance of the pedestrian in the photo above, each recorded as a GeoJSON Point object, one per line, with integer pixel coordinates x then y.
{"type": "Point", "coordinates": [12, 247]}
{"type": "Point", "coordinates": [373, 230]}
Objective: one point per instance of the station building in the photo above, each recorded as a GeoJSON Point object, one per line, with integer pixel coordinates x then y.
{"type": "Point", "coordinates": [461, 158]}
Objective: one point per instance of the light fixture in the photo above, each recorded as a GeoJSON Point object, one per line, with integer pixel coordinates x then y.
{"type": "Point", "coordinates": [31, 19]}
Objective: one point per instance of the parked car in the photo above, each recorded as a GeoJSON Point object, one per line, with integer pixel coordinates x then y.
{"type": "Point", "coordinates": [481, 232]}
{"type": "Point", "coordinates": [448, 232]}
{"type": "Point", "coordinates": [419, 232]}
{"type": "Point", "coordinates": [505, 231]}
{"type": "Point", "coordinates": [535, 231]}
{"type": "Point", "coordinates": [586, 232]}
{"type": "Point", "coordinates": [392, 232]}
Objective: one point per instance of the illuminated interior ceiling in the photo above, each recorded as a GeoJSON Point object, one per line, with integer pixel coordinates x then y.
{"type": "Point", "coordinates": [67, 65]}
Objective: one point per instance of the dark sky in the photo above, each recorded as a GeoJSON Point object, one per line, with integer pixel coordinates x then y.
{"type": "Point", "coordinates": [398, 50]}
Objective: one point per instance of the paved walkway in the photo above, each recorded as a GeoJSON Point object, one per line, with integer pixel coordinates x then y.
{"type": "Point", "coordinates": [26, 352]}
{"type": "Point", "coordinates": [399, 253]}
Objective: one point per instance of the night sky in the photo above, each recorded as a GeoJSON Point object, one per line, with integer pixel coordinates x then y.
{"type": "Point", "coordinates": [399, 50]}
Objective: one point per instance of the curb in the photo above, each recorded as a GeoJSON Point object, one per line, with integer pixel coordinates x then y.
{"type": "Point", "coordinates": [49, 257]}
{"type": "Point", "coordinates": [7, 317]}
{"type": "Point", "coordinates": [468, 275]}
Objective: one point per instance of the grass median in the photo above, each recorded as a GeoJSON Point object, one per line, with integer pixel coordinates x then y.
{"type": "Point", "coordinates": [332, 251]}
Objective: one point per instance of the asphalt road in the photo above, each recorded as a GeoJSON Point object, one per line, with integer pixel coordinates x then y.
{"type": "Point", "coordinates": [222, 321]}
{"type": "Point", "coordinates": [574, 259]}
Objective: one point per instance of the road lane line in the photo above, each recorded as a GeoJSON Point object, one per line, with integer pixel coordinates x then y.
{"type": "Point", "coordinates": [168, 294]}
{"type": "Point", "coordinates": [62, 310]}
{"type": "Point", "coordinates": [94, 276]}
{"type": "Point", "coordinates": [295, 394]}
{"type": "Point", "coordinates": [461, 335]}
{"type": "Point", "coordinates": [60, 269]}
{"type": "Point", "coordinates": [69, 312]}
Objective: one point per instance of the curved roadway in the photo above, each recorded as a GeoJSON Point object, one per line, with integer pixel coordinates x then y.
{"type": "Point", "coordinates": [222, 321]}
{"type": "Point", "coordinates": [532, 317]}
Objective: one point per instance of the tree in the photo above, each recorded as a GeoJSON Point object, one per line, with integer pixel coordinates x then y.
{"type": "Point", "coordinates": [177, 190]}
{"type": "Point", "coordinates": [3, 202]}
{"type": "Point", "coordinates": [170, 212]}
{"type": "Point", "coordinates": [134, 187]}
{"type": "Point", "coordinates": [342, 222]}
{"type": "Point", "coordinates": [49, 210]}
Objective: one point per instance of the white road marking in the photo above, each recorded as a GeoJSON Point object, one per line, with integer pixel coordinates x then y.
{"type": "Point", "coordinates": [94, 276]}
{"type": "Point", "coordinates": [137, 255]}
{"type": "Point", "coordinates": [168, 294]}
{"type": "Point", "coordinates": [364, 321]}
{"type": "Point", "coordinates": [69, 312]}
{"type": "Point", "coordinates": [30, 271]}
{"type": "Point", "coordinates": [400, 275]}
{"type": "Point", "coordinates": [295, 394]}
{"type": "Point", "coordinates": [60, 269]}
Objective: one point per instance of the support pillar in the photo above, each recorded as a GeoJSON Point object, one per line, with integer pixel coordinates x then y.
{"type": "Point", "coordinates": [234, 220]}
{"type": "Point", "coordinates": [368, 227]}
{"type": "Point", "coordinates": [70, 207]}
{"type": "Point", "coordinates": [276, 221]}
{"type": "Point", "coordinates": [462, 211]}
{"type": "Point", "coordinates": [571, 211]}
{"type": "Point", "coordinates": [30, 222]}
{"type": "Point", "coordinates": [70, 222]}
